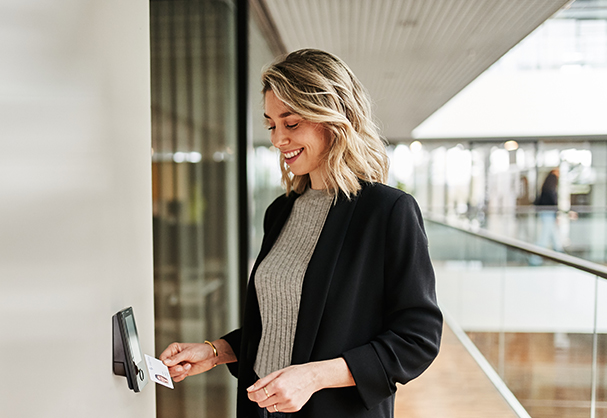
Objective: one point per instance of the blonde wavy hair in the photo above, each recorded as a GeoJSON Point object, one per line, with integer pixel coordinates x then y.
{"type": "Point", "coordinates": [321, 88]}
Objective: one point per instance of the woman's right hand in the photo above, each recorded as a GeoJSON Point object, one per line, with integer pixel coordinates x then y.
{"type": "Point", "coordinates": [188, 359]}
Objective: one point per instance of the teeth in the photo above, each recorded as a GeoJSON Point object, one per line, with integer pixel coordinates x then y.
{"type": "Point", "coordinates": [289, 155]}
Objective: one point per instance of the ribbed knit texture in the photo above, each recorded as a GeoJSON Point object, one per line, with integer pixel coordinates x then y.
{"type": "Point", "coordinates": [279, 279]}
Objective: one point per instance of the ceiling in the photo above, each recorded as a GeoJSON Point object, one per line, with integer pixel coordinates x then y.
{"type": "Point", "coordinates": [412, 55]}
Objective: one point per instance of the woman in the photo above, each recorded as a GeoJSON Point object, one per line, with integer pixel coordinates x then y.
{"type": "Point", "coordinates": [547, 203]}
{"type": "Point", "coordinates": [341, 302]}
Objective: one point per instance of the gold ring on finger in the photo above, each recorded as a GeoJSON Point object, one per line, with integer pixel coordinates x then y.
{"type": "Point", "coordinates": [266, 391]}
{"type": "Point", "coordinates": [275, 408]}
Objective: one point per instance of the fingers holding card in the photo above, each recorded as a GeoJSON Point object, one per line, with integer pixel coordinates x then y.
{"type": "Point", "coordinates": [158, 372]}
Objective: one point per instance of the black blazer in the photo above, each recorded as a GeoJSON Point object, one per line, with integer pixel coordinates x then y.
{"type": "Point", "coordinates": [368, 296]}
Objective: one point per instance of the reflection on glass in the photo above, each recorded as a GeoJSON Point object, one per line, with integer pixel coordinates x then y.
{"type": "Point", "coordinates": [194, 191]}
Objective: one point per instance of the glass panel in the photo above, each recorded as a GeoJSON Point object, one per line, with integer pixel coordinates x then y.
{"type": "Point", "coordinates": [548, 326]}
{"type": "Point", "coordinates": [470, 284]}
{"type": "Point", "coordinates": [264, 170]}
{"type": "Point", "coordinates": [483, 298]}
{"type": "Point", "coordinates": [194, 192]}
{"type": "Point", "coordinates": [601, 372]}
{"type": "Point", "coordinates": [532, 319]}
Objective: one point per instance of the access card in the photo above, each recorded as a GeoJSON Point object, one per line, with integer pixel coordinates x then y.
{"type": "Point", "coordinates": [158, 372]}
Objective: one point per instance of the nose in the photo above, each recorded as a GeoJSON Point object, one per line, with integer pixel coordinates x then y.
{"type": "Point", "coordinates": [279, 137]}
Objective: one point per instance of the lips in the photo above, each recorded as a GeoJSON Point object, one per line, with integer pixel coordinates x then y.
{"type": "Point", "coordinates": [292, 154]}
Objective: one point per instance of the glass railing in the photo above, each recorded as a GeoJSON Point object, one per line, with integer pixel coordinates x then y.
{"type": "Point", "coordinates": [535, 315]}
{"type": "Point", "coordinates": [581, 231]}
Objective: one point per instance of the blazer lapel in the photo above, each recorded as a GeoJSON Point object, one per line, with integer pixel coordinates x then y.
{"type": "Point", "coordinates": [318, 278]}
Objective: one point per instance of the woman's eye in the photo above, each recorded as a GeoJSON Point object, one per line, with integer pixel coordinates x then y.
{"type": "Point", "coordinates": [271, 128]}
{"type": "Point", "coordinates": [292, 126]}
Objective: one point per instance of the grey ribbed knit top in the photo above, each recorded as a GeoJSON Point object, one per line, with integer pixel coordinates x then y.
{"type": "Point", "coordinates": [279, 279]}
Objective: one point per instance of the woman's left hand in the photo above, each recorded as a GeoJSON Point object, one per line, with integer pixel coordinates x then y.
{"type": "Point", "coordinates": [288, 389]}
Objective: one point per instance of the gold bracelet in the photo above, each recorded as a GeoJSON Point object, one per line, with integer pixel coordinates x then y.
{"type": "Point", "coordinates": [214, 350]}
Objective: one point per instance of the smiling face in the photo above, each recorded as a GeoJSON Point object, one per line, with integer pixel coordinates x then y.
{"type": "Point", "coordinates": [302, 143]}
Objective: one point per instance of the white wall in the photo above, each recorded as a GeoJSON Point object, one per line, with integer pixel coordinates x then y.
{"type": "Point", "coordinates": [75, 204]}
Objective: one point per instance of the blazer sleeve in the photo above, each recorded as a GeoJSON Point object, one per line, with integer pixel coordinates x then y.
{"type": "Point", "coordinates": [234, 338]}
{"type": "Point", "coordinates": [412, 320]}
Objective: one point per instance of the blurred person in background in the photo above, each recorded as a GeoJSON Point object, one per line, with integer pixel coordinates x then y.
{"type": "Point", "coordinates": [547, 207]}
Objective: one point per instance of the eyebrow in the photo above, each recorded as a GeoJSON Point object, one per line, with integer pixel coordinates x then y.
{"type": "Point", "coordinates": [282, 115]}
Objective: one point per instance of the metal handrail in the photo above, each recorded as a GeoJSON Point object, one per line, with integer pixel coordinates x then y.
{"type": "Point", "coordinates": [569, 260]}
{"type": "Point", "coordinates": [531, 209]}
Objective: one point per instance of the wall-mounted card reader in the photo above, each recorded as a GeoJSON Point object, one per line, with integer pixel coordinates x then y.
{"type": "Point", "coordinates": [127, 358]}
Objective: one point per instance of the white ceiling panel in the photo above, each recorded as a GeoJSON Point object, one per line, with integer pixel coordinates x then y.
{"type": "Point", "coordinates": [412, 55]}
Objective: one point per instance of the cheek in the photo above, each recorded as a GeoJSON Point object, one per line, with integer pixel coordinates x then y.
{"type": "Point", "coordinates": [322, 139]}
{"type": "Point", "coordinates": [326, 141]}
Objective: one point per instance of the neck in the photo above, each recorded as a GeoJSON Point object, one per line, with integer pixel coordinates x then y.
{"type": "Point", "coordinates": [316, 182]}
